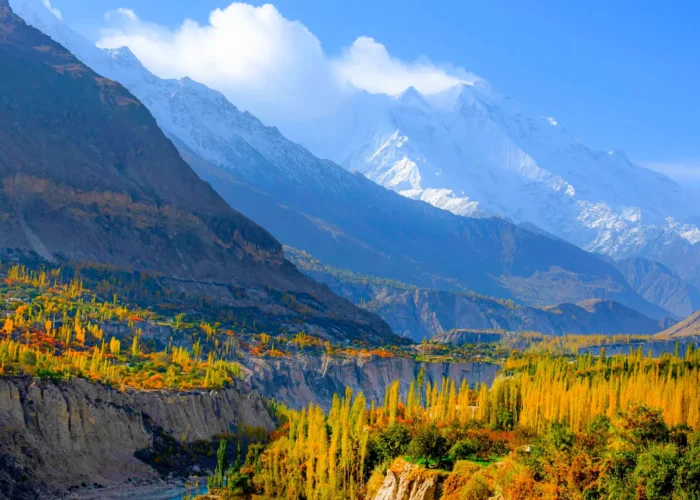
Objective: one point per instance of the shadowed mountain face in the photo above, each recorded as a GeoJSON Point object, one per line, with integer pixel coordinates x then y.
{"type": "Point", "coordinates": [660, 285]}
{"type": "Point", "coordinates": [86, 174]}
{"type": "Point", "coordinates": [426, 313]}
{"type": "Point", "coordinates": [422, 313]}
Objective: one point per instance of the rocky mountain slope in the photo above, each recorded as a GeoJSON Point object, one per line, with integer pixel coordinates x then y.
{"type": "Point", "coordinates": [86, 174]}
{"type": "Point", "coordinates": [477, 153]}
{"type": "Point", "coordinates": [420, 313]}
{"type": "Point", "coordinates": [344, 218]}
{"type": "Point", "coordinates": [660, 285]}
{"type": "Point", "coordinates": [689, 327]}
{"type": "Point", "coordinates": [427, 313]}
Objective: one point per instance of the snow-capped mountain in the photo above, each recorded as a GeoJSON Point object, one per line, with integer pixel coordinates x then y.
{"type": "Point", "coordinates": [344, 218]}
{"type": "Point", "coordinates": [476, 153]}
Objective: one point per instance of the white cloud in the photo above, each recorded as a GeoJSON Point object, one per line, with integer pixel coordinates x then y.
{"type": "Point", "coordinates": [367, 65]}
{"type": "Point", "coordinates": [121, 11]}
{"type": "Point", "coordinates": [268, 64]}
{"type": "Point", "coordinates": [684, 172]}
{"type": "Point", "coordinates": [54, 11]}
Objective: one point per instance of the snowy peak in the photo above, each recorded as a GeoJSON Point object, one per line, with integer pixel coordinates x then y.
{"type": "Point", "coordinates": [124, 57]}
{"type": "Point", "coordinates": [469, 146]}
{"type": "Point", "coordinates": [411, 97]}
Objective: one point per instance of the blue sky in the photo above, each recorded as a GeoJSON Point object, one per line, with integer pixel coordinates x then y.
{"type": "Point", "coordinates": [618, 74]}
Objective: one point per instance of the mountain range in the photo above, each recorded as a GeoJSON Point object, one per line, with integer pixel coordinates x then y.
{"type": "Point", "coordinates": [420, 313]}
{"type": "Point", "coordinates": [344, 218]}
{"type": "Point", "coordinates": [86, 175]}
{"type": "Point", "coordinates": [477, 153]}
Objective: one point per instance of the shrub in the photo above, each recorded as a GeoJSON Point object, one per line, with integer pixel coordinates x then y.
{"type": "Point", "coordinates": [28, 358]}
{"type": "Point", "coordinates": [477, 488]}
{"type": "Point", "coordinates": [466, 449]}
{"type": "Point", "coordinates": [642, 426]}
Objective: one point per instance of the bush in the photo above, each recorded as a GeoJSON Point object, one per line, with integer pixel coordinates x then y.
{"type": "Point", "coordinates": [477, 488]}
{"type": "Point", "coordinates": [466, 449]}
{"type": "Point", "coordinates": [642, 426]}
{"type": "Point", "coordinates": [28, 358]}
{"type": "Point", "coordinates": [688, 473]}
{"type": "Point", "coordinates": [46, 373]}
{"type": "Point", "coordinates": [375, 482]}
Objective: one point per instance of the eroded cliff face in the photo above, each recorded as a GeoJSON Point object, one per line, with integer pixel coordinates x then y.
{"type": "Point", "coordinates": [299, 380]}
{"type": "Point", "coordinates": [64, 434]}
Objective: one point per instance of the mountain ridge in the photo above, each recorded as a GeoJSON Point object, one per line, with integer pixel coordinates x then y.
{"type": "Point", "coordinates": [689, 327]}
{"type": "Point", "coordinates": [660, 285]}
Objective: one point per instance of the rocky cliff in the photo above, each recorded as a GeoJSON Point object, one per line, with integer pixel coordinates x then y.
{"type": "Point", "coordinates": [467, 480]}
{"type": "Point", "coordinates": [57, 435]}
{"type": "Point", "coordinates": [297, 381]}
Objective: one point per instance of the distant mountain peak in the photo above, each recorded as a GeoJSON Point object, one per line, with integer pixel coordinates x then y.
{"type": "Point", "coordinates": [124, 55]}
{"type": "Point", "coordinates": [411, 96]}
{"type": "Point", "coordinates": [478, 148]}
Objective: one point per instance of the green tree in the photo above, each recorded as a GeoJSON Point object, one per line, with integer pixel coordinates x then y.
{"type": "Point", "coordinates": [642, 426]}
{"type": "Point", "coordinates": [464, 449]}
{"type": "Point", "coordinates": [655, 473]}
{"type": "Point", "coordinates": [428, 445]}
{"type": "Point", "coordinates": [688, 473]}
{"type": "Point", "coordinates": [221, 462]}
{"type": "Point", "coordinates": [393, 442]}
